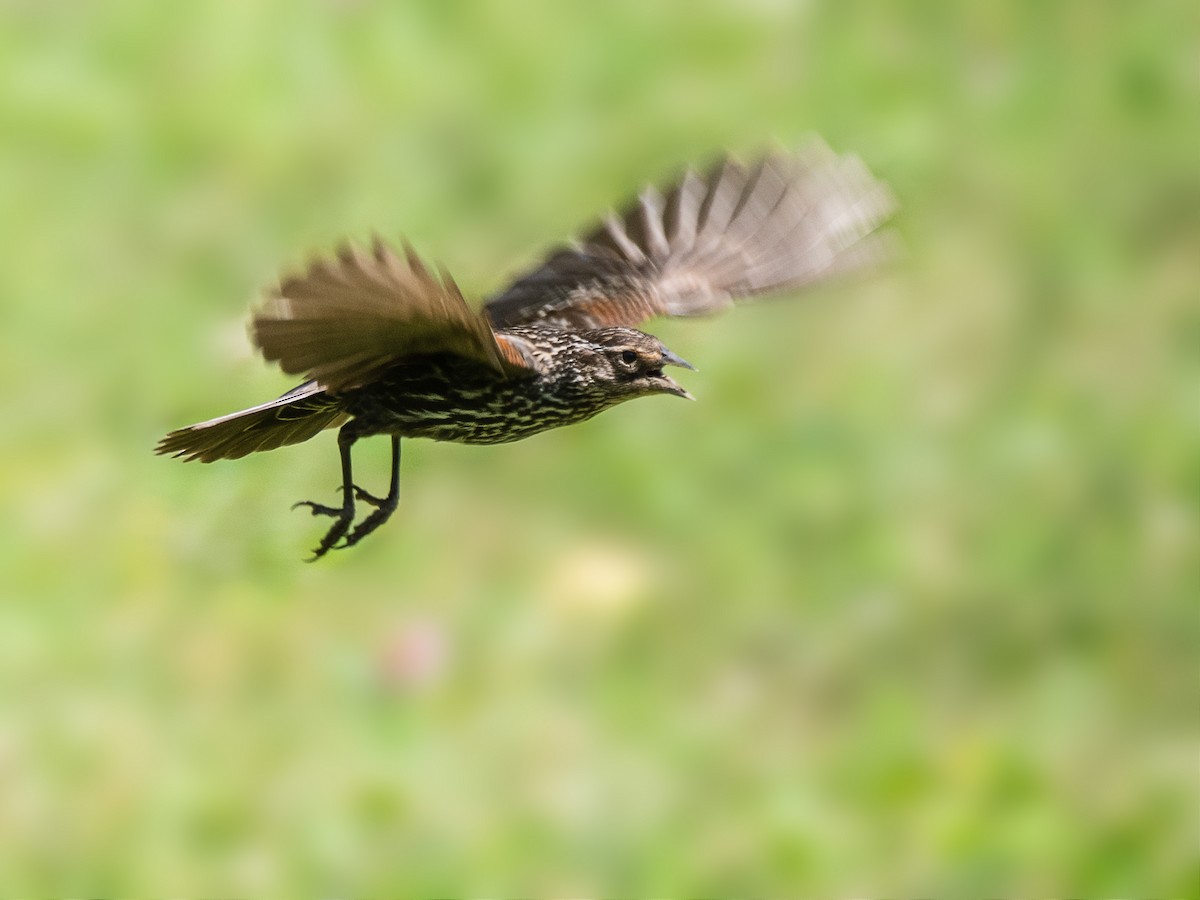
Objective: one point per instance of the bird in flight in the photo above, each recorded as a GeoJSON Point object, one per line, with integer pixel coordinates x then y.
{"type": "Point", "coordinates": [387, 346]}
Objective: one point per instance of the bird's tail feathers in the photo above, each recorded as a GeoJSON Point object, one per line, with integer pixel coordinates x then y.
{"type": "Point", "coordinates": [296, 416]}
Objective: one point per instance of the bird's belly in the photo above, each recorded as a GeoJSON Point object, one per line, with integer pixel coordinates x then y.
{"type": "Point", "coordinates": [482, 414]}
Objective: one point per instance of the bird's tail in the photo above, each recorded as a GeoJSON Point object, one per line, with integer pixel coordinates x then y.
{"type": "Point", "coordinates": [296, 416]}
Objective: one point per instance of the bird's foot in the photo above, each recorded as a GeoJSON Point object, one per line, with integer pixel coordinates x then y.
{"type": "Point", "coordinates": [319, 509]}
{"type": "Point", "coordinates": [385, 506]}
{"type": "Point", "coordinates": [344, 516]}
{"type": "Point", "coordinates": [340, 530]}
{"type": "Point", "coordinates": [367, 497]}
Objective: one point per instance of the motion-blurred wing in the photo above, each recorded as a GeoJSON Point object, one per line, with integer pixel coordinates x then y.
{"type": "Point", "coordinates": [736, 231]}
{"type": "Point", "coordinates": [344, 320]}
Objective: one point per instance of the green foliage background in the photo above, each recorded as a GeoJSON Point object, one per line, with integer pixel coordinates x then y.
{"type": "Point", "coordinates": [906, 605]}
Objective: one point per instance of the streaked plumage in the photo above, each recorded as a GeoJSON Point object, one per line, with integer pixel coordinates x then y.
{"type": "Point", "coordinates": [388, 347]}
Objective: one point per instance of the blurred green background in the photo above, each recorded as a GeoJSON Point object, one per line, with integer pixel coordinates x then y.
{"type": "Point", "coordinates": [906, 605]}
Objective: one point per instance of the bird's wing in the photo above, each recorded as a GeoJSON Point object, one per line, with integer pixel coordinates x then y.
{"type": "Point", "coordinates": [707, 240]}
{"type": "Point", "coordinates": [343, 320]}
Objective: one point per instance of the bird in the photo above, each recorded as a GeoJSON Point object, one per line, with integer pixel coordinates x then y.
{"type": "Point", "coordinates": [387, 345]}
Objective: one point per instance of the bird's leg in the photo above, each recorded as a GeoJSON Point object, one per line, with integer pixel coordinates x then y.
{"type": "Point", "coordinates": [384, 506]}
{"type": "Point", "coordinates": [345, 514]}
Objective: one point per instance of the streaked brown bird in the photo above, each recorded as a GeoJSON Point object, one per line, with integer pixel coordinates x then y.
{"type": "Point", "coordinates": [388, 347]}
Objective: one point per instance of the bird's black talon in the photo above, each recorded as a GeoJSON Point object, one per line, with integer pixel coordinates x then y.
{"type": "Point", "coordinates": [332, 536]}
{"type": "Point", "coordinates": [337, 531]}
{"type": "Point", "coordinates": [319, 509]}
{"type": "Point", "coordinates": [367, 525]}
{"type": "Point", "coordinates": [366, 497]}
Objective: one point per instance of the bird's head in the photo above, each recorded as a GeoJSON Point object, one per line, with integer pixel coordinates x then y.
{"type": "Point", "coordinates": [625, 363]}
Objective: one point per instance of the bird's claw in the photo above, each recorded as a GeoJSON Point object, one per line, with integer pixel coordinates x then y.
{"type": "Point", "coordinates": [339, 536]}
{"type": "Point", "coordinates": [365, 496]}
{"type": "Point", "coordinates": [336, 532]}
{"type": "Point", "coordinates": [319, 509]}
{"type": "Point", "coordinates": [366, 526]}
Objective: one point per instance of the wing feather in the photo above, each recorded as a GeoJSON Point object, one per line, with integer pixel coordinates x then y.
{"type": "Point", "coordinates": [734, 232]}
{"type": "Point", "coordinates": [344, 319]}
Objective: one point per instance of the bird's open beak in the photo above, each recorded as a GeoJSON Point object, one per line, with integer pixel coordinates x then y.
{"type": "Point", "coordinates": [671, 359]}
{"type": "Point", "coordinates": [670, 385]}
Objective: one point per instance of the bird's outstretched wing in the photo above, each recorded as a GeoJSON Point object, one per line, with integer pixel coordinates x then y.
{"type": "Point", "coordinates": [736, 231]}
{"type": "Point", "coordinates": [344, 320]}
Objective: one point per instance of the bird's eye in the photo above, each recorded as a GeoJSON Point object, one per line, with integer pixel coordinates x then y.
{"type": "Point", "coordinates": [628, 357]}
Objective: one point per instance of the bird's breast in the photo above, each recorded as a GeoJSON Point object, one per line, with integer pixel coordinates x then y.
{"type": "Point", "coordinates": [467, 404]}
